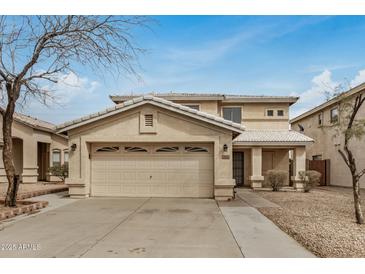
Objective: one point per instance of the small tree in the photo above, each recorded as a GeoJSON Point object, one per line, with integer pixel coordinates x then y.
{"type": "Point", "coordinates": [276, 178]}
{"type": "Point", "coordinates": [36, 50]}
{"type": "Point", "coordinates": [60, 171]}
{"type": "Point", "coordinates": [349, 127]}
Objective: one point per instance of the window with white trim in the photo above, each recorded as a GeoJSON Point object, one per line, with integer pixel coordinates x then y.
{"type": "Point", "coordinates": [56, 157]}
{"type": "Point", "coordinates": [65, 156]}
{"type": "Point", "coordinates": [334, 115]}
{"type": "Point", "coordinates": [196, 107]}
{"type": "Point", "coordinates": [270, 112]}
{"type": "Point", "coordinates": [233, 114]}
{"type": "Point", "coordinates": [280, 112]}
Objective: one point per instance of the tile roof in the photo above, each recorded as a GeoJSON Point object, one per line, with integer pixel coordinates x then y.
{"type": "Point", "coordinates": [34, 122]}
{"type": "Point", "coordinates": [153, 100]}
{"type": "Point", "coordinates": [272, 136]}
{"type": "Point", "coordinates": [215, 96]}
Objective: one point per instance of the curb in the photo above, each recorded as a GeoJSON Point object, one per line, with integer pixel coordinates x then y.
{"type": "Point", "coordinates": [22, 208]}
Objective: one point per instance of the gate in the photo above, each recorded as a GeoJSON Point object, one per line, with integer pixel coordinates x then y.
{"type": "Point", "coordinates": [323, 167]}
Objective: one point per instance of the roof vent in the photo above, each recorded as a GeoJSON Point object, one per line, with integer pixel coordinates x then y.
{"type": "Point", "coordinates": [148, 120]}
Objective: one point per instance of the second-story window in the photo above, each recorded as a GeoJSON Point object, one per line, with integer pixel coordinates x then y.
{"type": "Point", "coordinates": [196, 107]}
{"type": "Point", "coordinates": [233, 114]}
{"type": "Point", "coordinates": [280, 112]}
{"type": "Point", "coordinates": [334, 115]}
{"type": "Point", "coordinates": [320, 119]}
{"type": "Point", "coordinates": [270, 112]}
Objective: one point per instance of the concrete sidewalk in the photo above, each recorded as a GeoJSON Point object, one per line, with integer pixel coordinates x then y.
{"type": "Point", "coordinates": [255, 234]}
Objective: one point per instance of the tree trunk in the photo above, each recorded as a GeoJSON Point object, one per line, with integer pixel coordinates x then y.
{"type": "Point", "coordinates": [10, 199]}
{"type": "Point", "coordinates": [357, 200]}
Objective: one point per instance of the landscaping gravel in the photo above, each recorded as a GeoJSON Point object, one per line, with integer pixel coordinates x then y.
{"type": "Point", "coordinates": [322, 220]}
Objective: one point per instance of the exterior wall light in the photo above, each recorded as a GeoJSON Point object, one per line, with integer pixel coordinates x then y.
{"type": "Point", "coordinates": [225, 148]}
{"type": "Point", "coordinates": [73, 147]}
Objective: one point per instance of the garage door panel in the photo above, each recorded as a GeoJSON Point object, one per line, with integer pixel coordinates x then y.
{"type": "Point", "coordinates": [152, 174]}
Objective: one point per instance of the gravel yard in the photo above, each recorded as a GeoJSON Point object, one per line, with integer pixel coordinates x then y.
{"type": "Point", "coordinates": [322, 220]}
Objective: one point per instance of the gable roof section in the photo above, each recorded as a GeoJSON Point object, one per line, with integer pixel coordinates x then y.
{"type": "Point", "coordinates": [211, 96]}
{"type": "Point", "coordinates": [272, 137]}
{"type": "Point", "coordinates": [35, 123]}
{"type": "Point", "coordinates": [149, 99]}
{"type": "Point", "coordinates": [331, 102]}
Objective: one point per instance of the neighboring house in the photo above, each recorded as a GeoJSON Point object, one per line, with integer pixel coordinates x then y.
{"type": "Point", "coordinates": [36, 147]}
{"type": "Point", "coordinates": [182, 145]}
{"type": "Point", "coordinates": [318, 123]}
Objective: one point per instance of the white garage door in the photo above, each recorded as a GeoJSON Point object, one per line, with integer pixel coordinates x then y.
{"type": "Point", "coordinates": [151, 170]}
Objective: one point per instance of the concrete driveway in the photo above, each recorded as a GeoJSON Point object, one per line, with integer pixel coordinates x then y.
{"type": "Point", "coordinates": [129, 227]}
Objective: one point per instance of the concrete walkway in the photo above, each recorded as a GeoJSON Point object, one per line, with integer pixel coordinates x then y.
{"type": "Point", "coordinates": [255, 234]}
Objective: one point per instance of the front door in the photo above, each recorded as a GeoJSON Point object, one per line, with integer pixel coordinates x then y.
{"type": "Point", "coordinates": [238, 161]}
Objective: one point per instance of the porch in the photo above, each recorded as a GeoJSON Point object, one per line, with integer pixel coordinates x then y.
{"type": "Point", "coordinates": [257, 152]}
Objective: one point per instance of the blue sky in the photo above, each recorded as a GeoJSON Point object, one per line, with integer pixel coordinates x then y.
{"type": "Point", "coordinates": [260, 55]}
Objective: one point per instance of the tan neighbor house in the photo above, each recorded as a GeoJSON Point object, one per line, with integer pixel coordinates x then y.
{"type": "Point", "coordinates": [36, 147]}
{"type": "Point", "coordinates": [182, 145]}
{"type": "Point", "coordinates": [318, 123]}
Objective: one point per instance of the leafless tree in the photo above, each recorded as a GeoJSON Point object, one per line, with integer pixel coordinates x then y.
{"type": "Point", "coordinates": [350, 127]}
{"type": "Point", "coordinates": [36, 50]}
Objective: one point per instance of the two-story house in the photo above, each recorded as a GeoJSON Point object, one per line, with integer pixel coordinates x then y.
{"type": "Point", "coordinates": [182, 145]}
{"type": "Point", "coordinates": [320, 124]}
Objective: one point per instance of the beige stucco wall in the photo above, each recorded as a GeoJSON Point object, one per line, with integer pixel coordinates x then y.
{"type": "Point", "coordinates": [30, 137]}
{"type": "Point", "coordinates": [253, 114]}
{"type": "Point", "coordinates": [171, 127]}
{"type": "Point", "coordinates": [210, 107]}
{"type": "Point", "coordinates": [326, 145]}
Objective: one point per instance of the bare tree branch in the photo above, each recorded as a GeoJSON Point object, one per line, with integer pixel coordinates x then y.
{"type": "Point", "coordinates": [35, 50]}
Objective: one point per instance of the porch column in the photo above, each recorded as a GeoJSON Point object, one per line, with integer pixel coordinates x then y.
{"type": "Point", "coordinates": [299, 165]}
{"type": "Point", "coordinates": [256, 163]}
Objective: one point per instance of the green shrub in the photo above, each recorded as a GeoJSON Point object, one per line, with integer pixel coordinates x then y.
{"type": "Point", "coordinates": [60, 171]}
{"type": "Point", "coordinates": [276, 178]}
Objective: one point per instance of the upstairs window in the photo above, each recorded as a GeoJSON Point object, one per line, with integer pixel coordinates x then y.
{"type": "Point", "coordinates": [270, 112]}
{"type": "Point", "coordinates": [334, 115]}
{"type": "Point", "coordinates": [196, 107]}
{"type": "Point", "coordinates": [280, 112]}
{"type": "Point", "coordinates": [233, 114]}
{"type": "Point", "coordinates": [320, 119]}
{"type": "Point", "coordinates": [56, 157]}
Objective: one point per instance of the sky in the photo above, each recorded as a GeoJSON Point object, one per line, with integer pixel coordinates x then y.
{"type": "Point", "coordinates": [302, 56]}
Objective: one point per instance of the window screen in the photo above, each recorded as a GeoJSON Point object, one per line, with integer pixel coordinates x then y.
{"type": "Point", "coordinates": [233, 114]}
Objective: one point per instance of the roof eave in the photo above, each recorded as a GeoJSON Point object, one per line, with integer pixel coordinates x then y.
{"type": "Point", "coordinates": [84, 121]}
{"type": "Point", "coordinates": [271, 143]}
{"type": "Point", "coordinates": [329, 103]}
